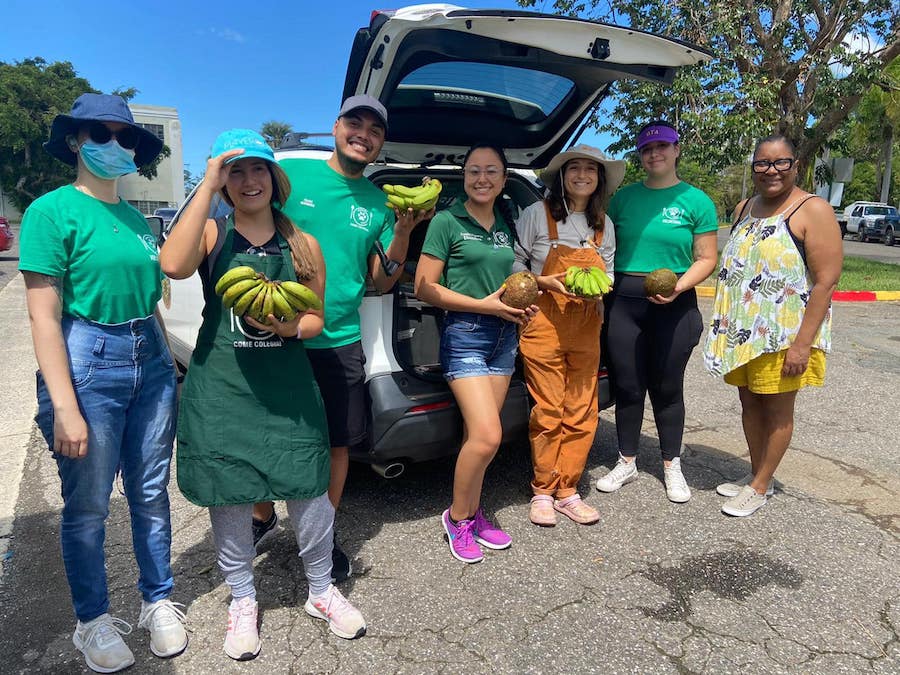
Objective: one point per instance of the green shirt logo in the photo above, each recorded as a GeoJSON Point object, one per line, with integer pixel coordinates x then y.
{"type": "Point", "coordinates": [360, 217]}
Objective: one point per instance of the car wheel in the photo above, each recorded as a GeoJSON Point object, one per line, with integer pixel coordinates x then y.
{"type": "Point", "coordinates": [861, 235]}
{"type": "Point", "coordinates": [843, 227]}
{"type": "Point", "coordinates": [889, 237]}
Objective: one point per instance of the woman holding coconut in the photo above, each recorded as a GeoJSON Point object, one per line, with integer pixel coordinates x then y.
{"type": "Point", "coordinates": [561, 348]}
{"type": "Point", "coordinates": [466, 257]}
{"type": "Point", "coordinates": [661, 222]}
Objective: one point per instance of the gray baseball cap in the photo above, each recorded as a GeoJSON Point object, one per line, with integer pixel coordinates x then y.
{"type": "Point", "coordinates": [365, 102]}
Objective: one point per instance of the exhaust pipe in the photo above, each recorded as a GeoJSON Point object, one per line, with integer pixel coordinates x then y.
{"type": "Point", "coordinates": [391, 470]}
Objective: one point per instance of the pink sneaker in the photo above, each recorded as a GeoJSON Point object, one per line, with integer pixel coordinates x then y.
{"type": "Point", "coordinates": [488, 534]}
{"type": "Point", "coordinates": [242, 637]}
{"type": "Point", "coordinates": [344, 620]}
{"type": "Point", "coordinates": [461, 539]}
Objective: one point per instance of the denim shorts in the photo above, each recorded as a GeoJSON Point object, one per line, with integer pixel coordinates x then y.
{"type": "Point", "coordinates": [477, 344]}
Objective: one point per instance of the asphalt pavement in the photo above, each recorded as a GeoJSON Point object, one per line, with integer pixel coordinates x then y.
{"type": "Point", "coordinates": [810, 583]}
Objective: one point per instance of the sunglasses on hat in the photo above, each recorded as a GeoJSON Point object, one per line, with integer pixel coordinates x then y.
{"type": "Point", "coordinates": [127, 137]}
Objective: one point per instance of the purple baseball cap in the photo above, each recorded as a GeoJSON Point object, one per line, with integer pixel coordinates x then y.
{"type": "Point", "coordinates": [656, 133]}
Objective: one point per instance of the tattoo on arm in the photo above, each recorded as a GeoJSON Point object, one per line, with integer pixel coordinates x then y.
{"type": "Point", "coordinates": [54, 282]}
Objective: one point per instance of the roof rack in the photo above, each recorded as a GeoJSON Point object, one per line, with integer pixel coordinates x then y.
{"type": "Point", "coordinates": [298, 139]}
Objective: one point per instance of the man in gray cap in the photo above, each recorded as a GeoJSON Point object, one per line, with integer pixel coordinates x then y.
{"type": "Point", "coordinates": [346, 213]}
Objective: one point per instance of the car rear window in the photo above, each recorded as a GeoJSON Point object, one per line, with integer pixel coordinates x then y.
{"type": "Point", "coordinates": [528, 96]}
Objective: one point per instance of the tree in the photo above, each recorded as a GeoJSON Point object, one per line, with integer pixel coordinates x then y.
{"type": "Point", "coordinates": [273, 131]}
{"type": "Point", "coordinates": [32, 93]}
{"type": "Point", "coordinates": [778, 65]}
{"type": "Point", "coordinates": [190, 181]}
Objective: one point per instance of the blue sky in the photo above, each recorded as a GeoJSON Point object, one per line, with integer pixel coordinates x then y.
{"type": "Point", "coordinates": [221, 64]}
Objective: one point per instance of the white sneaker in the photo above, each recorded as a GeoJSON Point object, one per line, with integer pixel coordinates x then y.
{"type": "Point", "coordinates": [344, 620]}
{"type": "Point", "coordinates": [166, 625]}
{"type": "Point", "coordinates": [100, 640]}
{"type": "Point", "coordinates": [677, 489]}
{"type": "Point", "coordinates": [732, 489]}
{"type": "Point", "coordinates": [242, 637]}
{"type": "Point", "coordinates": [623, 472]}
{"type": "Point", "coordinates": [745, 503]}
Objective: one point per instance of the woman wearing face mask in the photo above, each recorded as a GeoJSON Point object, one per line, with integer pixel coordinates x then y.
{"type": "Point", "coordinates": [106, 384]}
{"type": "Point", "coordinates": [561, 347]}
{"type": "Point", "coordinates": [467, 255]}
{"type": "Point", "coordinates": [661, 222]}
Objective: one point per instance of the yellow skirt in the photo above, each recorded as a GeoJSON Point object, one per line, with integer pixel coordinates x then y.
{"type": "Point", "coordinates": [763, 375]}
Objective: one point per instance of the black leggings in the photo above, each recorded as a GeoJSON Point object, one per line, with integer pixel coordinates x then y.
{"type": "Point", "coordinates": [647, 349]}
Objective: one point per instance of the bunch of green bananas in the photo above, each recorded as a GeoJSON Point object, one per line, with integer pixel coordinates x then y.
{"type": "Point", "coordinates": [249, 292]}
{"type": "Point", "coordinates": [588, 282]}
{"type": "Point", "coordinates": [420, 198]}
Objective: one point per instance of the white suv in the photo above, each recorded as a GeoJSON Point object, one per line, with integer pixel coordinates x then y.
{"type": "Point", "coordinates": [451, 77]}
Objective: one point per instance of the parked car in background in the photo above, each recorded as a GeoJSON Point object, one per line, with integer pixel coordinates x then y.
{"type": "Point", "coordinates": [451, 77]}
{"type": "Point", "coordinates": [6, 235]}
{"type": "Point", "coordinates": [869, 221]}
{"type": "Point", "coordinates": [166, 213]}
{"type": "Point", "coordinates": [891, 233]}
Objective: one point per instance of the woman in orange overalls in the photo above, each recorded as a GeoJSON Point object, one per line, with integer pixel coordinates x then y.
{"type": "Point", "coordinates": [560, 347]}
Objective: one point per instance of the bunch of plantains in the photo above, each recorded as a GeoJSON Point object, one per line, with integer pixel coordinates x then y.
{"type": "Point", "coordinates": [423, 197]}
{"type": "Point", "coordinates": [251, 293]}
{"type": "Point", "coordinates": [587, 282]}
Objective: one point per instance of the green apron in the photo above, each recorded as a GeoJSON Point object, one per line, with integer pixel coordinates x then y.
{"type": "Point", "coordinates": [251, 423]}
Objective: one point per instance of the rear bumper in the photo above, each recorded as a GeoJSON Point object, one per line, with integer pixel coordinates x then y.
{"type": "Point", "coordinates": [412, 421]}
{"type": "Point", "coordinates": [416, 421]}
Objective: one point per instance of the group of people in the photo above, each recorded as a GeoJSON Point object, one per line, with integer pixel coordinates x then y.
{"type": "Point", "coordinates": [273, 417]}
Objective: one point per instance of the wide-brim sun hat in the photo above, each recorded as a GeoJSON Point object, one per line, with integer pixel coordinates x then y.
{"type": "Point", "coordinates": [99, 108]}
{"type": "Point", "coordinates": [254, 146]}
{"type": "Point", "coordinates": [613, 168]}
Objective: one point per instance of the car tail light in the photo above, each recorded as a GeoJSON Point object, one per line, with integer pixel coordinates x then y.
{"type": "Point", "coordinates": [602, 372]}
{"type": "Point", "coordinates": [428, 407]}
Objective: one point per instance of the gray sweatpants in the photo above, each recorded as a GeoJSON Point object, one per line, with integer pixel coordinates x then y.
{"type": "Point", "coordinates": [312, 520]}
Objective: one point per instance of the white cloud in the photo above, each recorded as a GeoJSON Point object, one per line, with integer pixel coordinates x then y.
{"type": "Point", "coordinates": [227, 34]}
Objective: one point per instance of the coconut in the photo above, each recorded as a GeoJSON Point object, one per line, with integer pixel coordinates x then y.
{"type": "Point", "coordinates": [660, 282]}
{"type": "Point", "coordinates": [521, 290]}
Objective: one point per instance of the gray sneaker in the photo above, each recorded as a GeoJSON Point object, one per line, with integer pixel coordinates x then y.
{"type": "Point", "coordinates": [732, 489]}
{"type": "Point", "coordinates": [623, 472]}
{"type": "Point", "coordinates": [677, 489]}
{"type": "Point", "coordinates": [165, 621]}
{"type": "Point", "coordinates": [745, 503]}
{"type": "Point", "coordinates": [100, 640]}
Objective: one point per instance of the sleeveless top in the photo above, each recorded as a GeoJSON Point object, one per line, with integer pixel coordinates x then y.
{"type": "Point", "coordinates": [761, 293]}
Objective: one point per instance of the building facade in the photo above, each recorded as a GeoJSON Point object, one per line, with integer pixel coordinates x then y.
{"type": "Point", "coordinates": [167, 189]}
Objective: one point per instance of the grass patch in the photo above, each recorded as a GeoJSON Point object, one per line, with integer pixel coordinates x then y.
{"type": "Point", "coordinates": [859, 274]}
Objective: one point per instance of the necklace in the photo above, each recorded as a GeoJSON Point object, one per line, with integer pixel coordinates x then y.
{"type": "Point", "coordinates": [584, 237]}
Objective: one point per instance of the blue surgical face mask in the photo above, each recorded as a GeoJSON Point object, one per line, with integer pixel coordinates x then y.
{"type": "Point", "coordinates": [107, 160]}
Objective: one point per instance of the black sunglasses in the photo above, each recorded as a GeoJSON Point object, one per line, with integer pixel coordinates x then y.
{"type": "Point", "coordinates": [127, 137]}
{"type": "Point", "coordinates": [781, 165]}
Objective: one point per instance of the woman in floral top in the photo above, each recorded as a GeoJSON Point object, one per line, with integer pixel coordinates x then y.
{"type": "Point", "coordinates": [771, 323]}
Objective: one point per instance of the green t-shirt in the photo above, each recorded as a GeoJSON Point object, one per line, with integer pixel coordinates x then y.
{"type": "Point", "coordinates": [656, 228]}
{"type": "Point", "coordinates": [346, 216]}
{"type": "Point", "coordinates": [476, 262]}
{"type": "Point", "coordinates": [105, 254]}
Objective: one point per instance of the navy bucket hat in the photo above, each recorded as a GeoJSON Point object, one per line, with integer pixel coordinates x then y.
{"type": "Point", "coordinates": [99, 108]}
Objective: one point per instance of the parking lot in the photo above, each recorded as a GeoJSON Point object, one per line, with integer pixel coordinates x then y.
{"type": "Point", "coordinates": [808, 584]}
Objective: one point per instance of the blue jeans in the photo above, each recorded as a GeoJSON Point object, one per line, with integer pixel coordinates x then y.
{"type": "Point", "coordinates": [124, 381]}
{"type": "Point", "coordinates": [477, 344]}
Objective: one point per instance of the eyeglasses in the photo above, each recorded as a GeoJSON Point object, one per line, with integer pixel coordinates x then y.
{"type": "Point", "coordinates": [127, 137]}
{"type": "Point", "coordinates": [781, 165]}
{"type": "Point", "coordinates": [491, 172]}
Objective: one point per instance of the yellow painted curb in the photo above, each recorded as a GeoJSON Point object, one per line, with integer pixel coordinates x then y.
{"type": "Point", "coordinates": [887, 295]}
